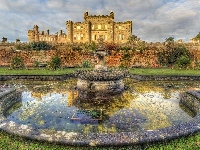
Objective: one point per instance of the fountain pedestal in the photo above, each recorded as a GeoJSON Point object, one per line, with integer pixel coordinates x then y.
{"type": "Point", "coordinates": [100, 81]}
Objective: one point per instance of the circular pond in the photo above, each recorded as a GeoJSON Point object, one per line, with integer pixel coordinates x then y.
{"type": "Point", "coordinates": [53, 108]}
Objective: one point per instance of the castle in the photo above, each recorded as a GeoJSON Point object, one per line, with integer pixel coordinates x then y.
{"type": "Point", "coordinates": [90, 30]}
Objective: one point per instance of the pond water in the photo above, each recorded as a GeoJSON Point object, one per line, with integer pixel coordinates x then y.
{"type": "Point", "coordinates": [53, 105]}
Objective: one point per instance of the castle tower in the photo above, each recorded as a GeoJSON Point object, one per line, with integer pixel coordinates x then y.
{"type": "Point", "coordinates": [35, 29]}
{"type": "Point", "coordinates": [89, 31]}
{"type": "Point", "coordinates": [69, 28]}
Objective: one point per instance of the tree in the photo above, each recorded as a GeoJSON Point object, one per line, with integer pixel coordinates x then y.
{"type": "Point", "coordinates": [136, 44]}
{"type": "Point", "coordinates": [17, 63]}
{"type": "Point", "coordinates": [169, 39]}
{"type": "Point", "coordinates": [55, 63]}
{"type": "Point", "coordinates": [133, 38]}
{"type": "Point", "coordinates": [175, 55]}
{"type": "Point", "coordinates": [93, 46]}
{"type": "Point", "coordinates": [42, 45]}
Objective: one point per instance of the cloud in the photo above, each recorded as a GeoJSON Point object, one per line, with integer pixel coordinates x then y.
{"type": "Point", "coordinates": [153, 20]}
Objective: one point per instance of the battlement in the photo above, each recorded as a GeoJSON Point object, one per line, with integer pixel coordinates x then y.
{"type": "Point", "coordinates": [86, 16]}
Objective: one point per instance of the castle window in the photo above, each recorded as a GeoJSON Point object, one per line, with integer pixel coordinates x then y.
{"type": "Point", "coordinates": [99, 26]}
{"type": "Point", "coordinates": [106, 37]}
{"type": "Point", "coordinates": [81, 27]}
{"type": "Point", "coordinates": [119, 27]}
{"type": "Point", "coordinates": [117, 37]}
{"type": "Point", "coordinates": [95, 37]}
{"type": "Point", "coordinates": [116, 27]}
{"type": "Point", "coordinates": [74, 27]}
{"type": "Point", "coordinates": [105, 26]}
{"type": "Point", "coordinates": [92, 27]}
{"type": "Point", "coordinates": [78, 27]}
{"type": "Point", "coordinates": [78, 36]}
{"type": "Point", "coordinates": [81, 36]}
{"type": "Point", "coordinates": [75, 37]}
{"type": "Point", "coordinates": [122, 36]}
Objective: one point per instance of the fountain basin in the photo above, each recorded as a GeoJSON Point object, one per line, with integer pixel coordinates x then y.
{"type": "Point", "coordinates": [105, 138]}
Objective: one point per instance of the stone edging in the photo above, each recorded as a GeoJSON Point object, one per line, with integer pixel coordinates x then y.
{"type": "Point", "coordinates": [106, 139]}
{"type": "Point", "coordinates": [37, 77]}
{"type": "Point", "coordinates": [75, 74]}
{"type": "Point", "coordinates": [164, 77]}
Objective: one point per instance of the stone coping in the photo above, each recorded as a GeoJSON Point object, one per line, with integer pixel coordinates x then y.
{"type": "Point", "coordinates": [92, 139]}
{"type": "Point", "coordinates": [76, 73]}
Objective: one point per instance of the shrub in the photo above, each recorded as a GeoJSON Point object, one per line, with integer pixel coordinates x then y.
{"type": "Point", "coordinates": [36, 63]}
{"type": "Point", "coordinates": [17, 63]}
{"type": "Point", "coordinates": [174, 55]}
{"type": "Point", "coordinates": [169, 39]}
{"type": "Point", "coordinates": [86, 64]}
{"type": "Point", "coordinates": [93, 46]}
{"type": "Point", "coordinates": [55, 63]}
{"type": "Point", "coordinates": [111, 47]}
{"type": "Point", "coordinates": [42, 45]}
{"type": "Point", "coordinates": [183, 61]}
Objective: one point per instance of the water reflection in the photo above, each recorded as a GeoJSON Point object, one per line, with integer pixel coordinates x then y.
{"type": "Point", "coordinates": [145, 105]}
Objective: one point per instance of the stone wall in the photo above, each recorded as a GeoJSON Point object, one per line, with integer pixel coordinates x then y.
{"type": "Point", "coordinates": [70, 58]}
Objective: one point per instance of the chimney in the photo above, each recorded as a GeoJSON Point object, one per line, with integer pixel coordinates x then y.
{"type": "Point", "coordinates": [48, 32]}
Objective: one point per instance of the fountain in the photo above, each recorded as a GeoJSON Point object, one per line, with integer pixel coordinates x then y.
{"type": "Point", "coordinates": [101, 81]}
{"type": "Point", "coordinates": [49, 111]}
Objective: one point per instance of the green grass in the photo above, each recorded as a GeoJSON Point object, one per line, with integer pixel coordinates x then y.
{"type": "Point", "coordinates": [165, 71]}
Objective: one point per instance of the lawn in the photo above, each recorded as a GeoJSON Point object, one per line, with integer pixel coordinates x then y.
{"type": "Point", "coordinates": [8, 141]}
{"type": "Point", "coordinates": [165, 71]}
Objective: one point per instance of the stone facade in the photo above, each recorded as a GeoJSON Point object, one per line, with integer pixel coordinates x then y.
{"type": "Point", "coordinates": [92, 28]}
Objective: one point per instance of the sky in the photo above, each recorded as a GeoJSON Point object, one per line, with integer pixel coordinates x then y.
{"type": "Point", "coordinates": [153, 20]}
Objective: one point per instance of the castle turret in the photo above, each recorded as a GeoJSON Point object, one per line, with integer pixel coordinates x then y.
{"type": "Point", "coordinates": [69, 27]}
{"type": "Point", "coordinates": [47, 31]}
{"type": "Point", "coordinates": [36, 33]}
{"type": "Point", "coordinates": [112, 14]}
{"type": "Point", "coordinates": [85, 14]}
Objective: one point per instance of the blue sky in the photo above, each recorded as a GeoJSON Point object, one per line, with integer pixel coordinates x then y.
{"type": "Point", "coordinates": [153, 20]}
